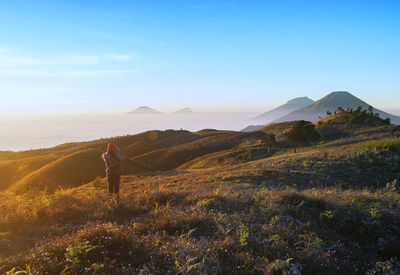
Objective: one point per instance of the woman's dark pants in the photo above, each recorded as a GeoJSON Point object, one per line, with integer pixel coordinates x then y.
{"type": "Point", "coordinates": [113, 183]}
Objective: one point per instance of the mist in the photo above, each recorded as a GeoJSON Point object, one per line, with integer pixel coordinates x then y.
{"type": "Point", "coordinates": [23, 133]}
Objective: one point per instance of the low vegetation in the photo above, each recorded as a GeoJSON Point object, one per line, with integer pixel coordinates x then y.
{"type": "Point", "coordinates": [174, 224]}
{"type": "Point", "coordinates": [350, 117]}
{"type": "Point", "coordinates": [388, 144]}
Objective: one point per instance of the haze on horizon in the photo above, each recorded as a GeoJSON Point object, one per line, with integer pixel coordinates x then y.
{"type": "Point", "coordinates": [74, 56]}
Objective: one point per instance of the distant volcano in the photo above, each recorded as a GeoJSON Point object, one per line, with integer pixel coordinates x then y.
{"type": "Point", "coordinates": [318, 109]}
{"type": "Point", "coordinates": [184, 111]}
{"type": "Point", "coordinates": [144, 110]}
{"type": "Point", "coordinates": [282, 110]}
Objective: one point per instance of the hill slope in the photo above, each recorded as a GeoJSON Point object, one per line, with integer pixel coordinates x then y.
{"type": "Point", "coordinates": [69, 171]}
{"type": "Point", "coordinates": [318, 109]}
{"type": "Point", "coordinates": [173, 157]}
{"type": "Point", "coordinates": [288, 107]}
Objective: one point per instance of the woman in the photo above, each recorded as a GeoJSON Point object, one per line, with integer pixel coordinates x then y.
{"type": "Point", "coordinates": [112, 159]}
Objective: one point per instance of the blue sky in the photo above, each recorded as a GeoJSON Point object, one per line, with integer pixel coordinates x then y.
{"type": "Point", "coordinates": [74, 56]}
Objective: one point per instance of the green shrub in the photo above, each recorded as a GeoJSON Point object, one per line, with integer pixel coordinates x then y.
{"type": "Point", "coordinates": [244, 235]}
{"type": "Point", "coordinates": [244, 157]}
{"type": "Point", "coordinates": [392, 144]}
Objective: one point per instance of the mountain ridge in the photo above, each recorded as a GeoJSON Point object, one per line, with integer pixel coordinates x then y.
{"type": "Point", "coordinates": [331, 102]}
{"type": "Point", "coordinates": [284, 109]}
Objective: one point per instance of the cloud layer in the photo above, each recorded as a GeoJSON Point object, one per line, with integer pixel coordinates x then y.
{"type": "Point", "coordinates": [13, 64]}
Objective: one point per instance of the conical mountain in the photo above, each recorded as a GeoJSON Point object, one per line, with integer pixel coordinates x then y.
{"type": "Point", "coordinates": [184, 111]}
{"type": "Point", "coordinates": [331, 102]}
{"type": "Point", "coordinates": [144, 110]}
{"type": "Point", "coordinates": [288, 107]}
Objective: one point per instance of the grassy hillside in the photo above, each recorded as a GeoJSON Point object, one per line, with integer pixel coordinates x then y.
{"type": "Point", "coordinates": [32, 166]}
{"type": "Point", "coordinates": [69, 171]}
{"type": "Point", "coordinates": [172, 157]}
{"type": "Point", "coordinates": [353, 119]}
{"type": "Point", "coordinates": [280, 130]}
{"type": "Point", "coordinates": [224, 206]}
{"type": "Point", "coordinates": [74, 164]}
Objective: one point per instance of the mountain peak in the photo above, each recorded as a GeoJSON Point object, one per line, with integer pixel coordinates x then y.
{"type": "Point", "coordinates": [299, 100]}
{"type": "Point", "coordinates": [144, 110]}
{"type": "Point", "coordinates": [340, 93]}
{"type": "Point", "coordinates": [343, 96]}
{"type": "Point", "coordinates": [184, 111]}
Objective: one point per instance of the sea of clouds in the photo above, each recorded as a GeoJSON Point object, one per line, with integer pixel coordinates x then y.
{"type": "Point", "coordinates": [22, 133]}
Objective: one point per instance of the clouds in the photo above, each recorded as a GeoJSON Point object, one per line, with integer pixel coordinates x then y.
{"type": "Point", "coordinates": [120, 57]}
{"type": "Point", "coordinates": [3, 49]}
{"type": "Point", "coordinates": [50, 73]}
{"type": "Point", "coordinates": [13, 63]}
{"type": "Point", "coordinates": [10, 60]}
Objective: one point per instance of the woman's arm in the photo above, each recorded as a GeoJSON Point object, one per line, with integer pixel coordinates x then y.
{"type": "Point", "coordinates": [106, 162]}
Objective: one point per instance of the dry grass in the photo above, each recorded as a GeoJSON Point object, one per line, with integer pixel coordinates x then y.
{"type": "Point", "coordinates": [201, 221]}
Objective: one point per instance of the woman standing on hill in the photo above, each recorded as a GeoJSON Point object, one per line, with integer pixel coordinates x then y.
{"type": "Point", "coordinates": [112, 159]}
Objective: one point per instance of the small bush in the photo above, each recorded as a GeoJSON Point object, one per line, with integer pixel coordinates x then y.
{"type": "Point", "coordinates": [392, 144]}
{"type": "Point", "coordinates": [244, 157]}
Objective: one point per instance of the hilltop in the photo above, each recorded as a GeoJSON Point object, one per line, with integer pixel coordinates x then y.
{"type": "Point", "coordinates": [144, 110]}
{"type": "Point", "coordinates": [208, 202]}
{"type": "Point", "coordinates": [282, 110]}
{"type": "Point", "coordinates": [331, 102]}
